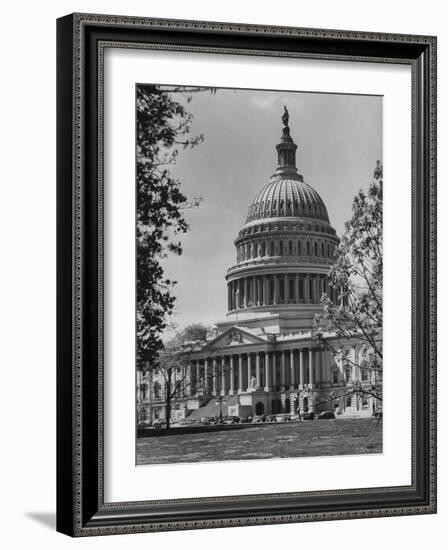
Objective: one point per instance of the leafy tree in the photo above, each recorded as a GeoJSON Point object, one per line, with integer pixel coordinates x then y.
{"type": "Point", "coordinates": [355, 314]}
{"type": "Point", "coordinates": [173, 361]}
{"type": "Point", "coordinates": [163, 127]}
{"type": "Point", "coordinates": [195, 332]}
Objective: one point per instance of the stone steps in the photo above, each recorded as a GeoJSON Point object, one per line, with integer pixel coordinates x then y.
{"type": "Point", "coordinates": [212, 409]}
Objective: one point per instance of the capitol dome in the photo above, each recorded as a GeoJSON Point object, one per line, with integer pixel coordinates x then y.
{"type": "Point", "coordinates": [287, 195]}
{"type": "Point", "coordinates": [286, 246]}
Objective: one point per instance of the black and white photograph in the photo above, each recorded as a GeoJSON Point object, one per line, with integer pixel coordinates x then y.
{"type": "Point", "coordinates": [259, 243]}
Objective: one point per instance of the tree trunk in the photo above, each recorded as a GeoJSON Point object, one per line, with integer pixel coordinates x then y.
{"type": "Point", "coordinates": [168, 401]}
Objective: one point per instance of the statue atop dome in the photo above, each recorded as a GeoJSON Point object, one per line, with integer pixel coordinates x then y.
{"type": "Point", "coordinates": [285, 116]}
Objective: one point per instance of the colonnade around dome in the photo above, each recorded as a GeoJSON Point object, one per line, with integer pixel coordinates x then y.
{"type": "Point", "coordinates": [277, 289]}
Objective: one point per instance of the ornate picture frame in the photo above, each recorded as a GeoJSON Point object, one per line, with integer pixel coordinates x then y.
{"type": "Point", "coordinates": [81, 506]}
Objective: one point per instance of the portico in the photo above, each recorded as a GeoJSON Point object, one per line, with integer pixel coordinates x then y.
{"type": "Point", "coordinates": [259, 367]}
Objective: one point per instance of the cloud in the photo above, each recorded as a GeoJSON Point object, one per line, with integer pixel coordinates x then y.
{"type": "Point", "coordinates": [269, 99]}
{"type": "Point", "coordinates": [264, 100]}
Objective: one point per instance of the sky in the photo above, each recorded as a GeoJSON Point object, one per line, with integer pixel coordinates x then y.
{"type": "Point", "coordinates": [339, 139]}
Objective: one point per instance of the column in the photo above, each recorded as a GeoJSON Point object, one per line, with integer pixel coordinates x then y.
{"type": "Point", "coordinates": [214, 375]}
{"type": "Point", "coordinates": [292, 378]}
{"type": "Point", "coordinates": [318, 292]}
{"type": "Point", "coordinates": [249, 371]}
{"type": "Point", "coordinates": [232, 375]}
{"type": "Point", "coordinates": [192, 378]}
{"type": "Point", "coordinates": [240, 293]}
{"type": "Point", "coordinates": [246, 286]}
{"type": "Point", "coordinates": [310, 366]}
{"type": "Point", "coordinates": [240, 374]}
{"type": "Point", "coordinates": [174, 389]}
{"type": "Point", "coordinates": [283, 371]}
{"type": "Point", "coordinates": [266, 290]}
{"type": "Point", "coordinates": [198, 375]}
{"type": "Point", "coordinates": [316, 362]}
{"type": "Point", "coordinates": [302, 368]}
{"type": "Point", "coordinates": [286, 289]}
{"type": "Point", "coordinates": [267, 375]}
{"type": "Point", "coordinates": [276, 296]}
{"type": "Point", "coordinates": [307, 289]}
{"type": "Point", "coordinates": [223, 375]}
{"type": "Point", "coordinates": [206, 374]}
{"type": "Point", "coordinates": [257, 370]}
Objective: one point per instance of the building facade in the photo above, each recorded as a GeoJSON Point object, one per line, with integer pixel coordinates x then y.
{"type": "Point", "coordinates": [262, 359]}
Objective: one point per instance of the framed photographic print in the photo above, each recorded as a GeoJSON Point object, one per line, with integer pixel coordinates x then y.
{"type": "Point", "coordinates": [246, 274]}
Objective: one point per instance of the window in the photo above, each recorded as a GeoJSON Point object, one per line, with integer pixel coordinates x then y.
{"type": "Point", "coordinates": [282, 290]}
{"type": "Point", "coordinates": [348, 374]}
{"type": "Point", "coordinates": [272, 248]}
{"type": "Point", "coordinates": [290, 248]}
{"type": "Point", "coordinates": [281, 248]}
{"type": "Point", "coordinates": [300, 288]}
{"type": "Point", "coordinates": [348, 401]}
{"type": "Point", "coordinates": [315, 249]}
{"type": "Point", "coordinates": [299, 247]}
{"type": "Point", "coordinates": [263, 249]}
{"type": "Point", "coordinates": [335, 377]}
{"type": "Point", "coordinates": [156, 389]}
{"type": "Point", "coordinates": [291, 289]}
{"type": "Point", "coordinates": [364, 374]}
{"type": "Point", "coordinates": [308, 248]}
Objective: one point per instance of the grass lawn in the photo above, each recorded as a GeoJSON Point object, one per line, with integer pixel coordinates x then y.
{"type": "Point", "coordinates": [308, 438]}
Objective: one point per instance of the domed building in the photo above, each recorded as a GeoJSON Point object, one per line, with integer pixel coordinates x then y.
{"type": "Point", "coordinates": [262, 359]}
{"type": "Point", "coordinates": [284, 251]}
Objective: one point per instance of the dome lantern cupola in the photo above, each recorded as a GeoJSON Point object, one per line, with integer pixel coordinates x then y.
{"type": "Point", "coordinates": [286, 149]}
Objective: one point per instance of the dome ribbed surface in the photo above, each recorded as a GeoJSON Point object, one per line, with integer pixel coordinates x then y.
{"type": "Point", "coordinates": [287, 195]}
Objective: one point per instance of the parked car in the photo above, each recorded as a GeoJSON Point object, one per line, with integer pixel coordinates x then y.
{"type": "Point", "coordinates": [308, 416]}
{"type": "Point", "coordinates": [326, 415]}
{"type": "Point", "coordinates": [159, 424]}
{"type": "Point", "coordinates": [271, 418]}
{"type": "Point", "coordinates": [246, 420]}
{"type": "Point", "coordinates": [205, 420]}
{"type": "Point", "coordinates": [231, 420]}
{"type": "Point", "coordinates": [257, 419]}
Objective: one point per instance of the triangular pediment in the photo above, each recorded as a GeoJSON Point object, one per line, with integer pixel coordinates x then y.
{"type": "Point", "coordinates": [235, 336]}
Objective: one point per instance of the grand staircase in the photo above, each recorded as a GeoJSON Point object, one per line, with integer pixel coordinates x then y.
{"type": "Point", "coordinates": [212, 409]}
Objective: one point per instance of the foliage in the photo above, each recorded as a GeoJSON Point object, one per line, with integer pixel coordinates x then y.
{"type": "Point", "coordinates": [353, 313]}
{"type": "Point", "coordinates": [195, 332]}
{"type": "Point", "coordinates": [174, 359]}
{"type": "Point", "coordinates": [163, 127]}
